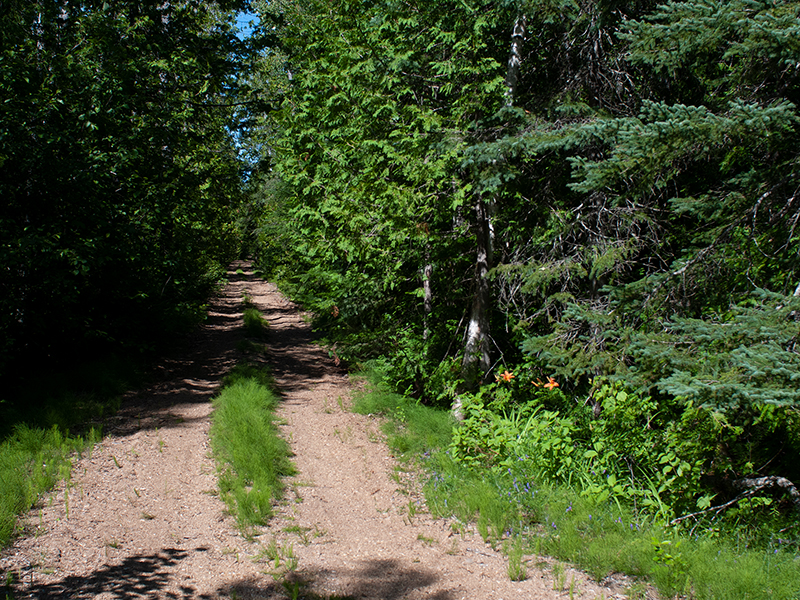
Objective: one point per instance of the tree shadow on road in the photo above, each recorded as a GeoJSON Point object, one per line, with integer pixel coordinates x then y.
{"type": "Point", "coordinates": [378, 579]}
{"type": "Point", "coordinates": [191, 373]}
{"type": "Point", "coordinates": [141, 576]}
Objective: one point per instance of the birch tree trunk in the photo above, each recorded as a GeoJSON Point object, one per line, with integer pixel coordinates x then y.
{"type": "Point", "coordinates": [515, 58]}
{"type": "Point", "coordinates": [427, 297]}
{"type": "Point", "coordinates": [477, 357]}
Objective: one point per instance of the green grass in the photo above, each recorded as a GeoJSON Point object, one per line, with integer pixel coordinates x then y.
{"type": "Point", "coordinates": [518, 510]}
{"type": "Point", "coordinates": [413, 428]}
{"type": "Point", "coordinates": [254, 324]}
{"type": "Point", "coordinates": [251, 457]}
{"type": "Point", "coordinates": [45, 419]}
{"type": "Point", "coordinates": [32, 461]}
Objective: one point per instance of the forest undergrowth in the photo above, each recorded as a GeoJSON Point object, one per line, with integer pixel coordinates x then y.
{"type": "Point", "coordinates": [523, 477]}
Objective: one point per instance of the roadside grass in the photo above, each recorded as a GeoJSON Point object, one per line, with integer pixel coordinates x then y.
{"type": "Point", "coordinates": [520, 512]}
{"type": "Point", "coordinates": [45, 420]}
{"type": "Point", "coordinates": [251, 457]}
{"type": "Point", "coordinates": [32, 461]}
{"type": "Point", "coordinates": [412, 428]}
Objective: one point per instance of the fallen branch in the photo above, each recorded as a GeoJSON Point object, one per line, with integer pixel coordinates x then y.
{"type": "Point", "coordinates": [751, 486]}
{"type": "Point", "coordinates": [773, 481]}
{"type": "Point", "coordinates": [717, 509]}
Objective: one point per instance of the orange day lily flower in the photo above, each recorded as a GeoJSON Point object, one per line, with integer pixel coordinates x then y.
{"type": "Point", "coordinates": [550, 385]}
{"type": "Point", "coordinates": [505, 376]}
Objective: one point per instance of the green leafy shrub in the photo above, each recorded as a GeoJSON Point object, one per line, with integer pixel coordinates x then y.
{"type": "Point", "coordinates": [485, 439]}
{"type": "Point", "coordinates": [632, 452]}
{"type": "Point", "coordinates": [415, 368]}
{"type": "Point", "coordinates": [536, 502]}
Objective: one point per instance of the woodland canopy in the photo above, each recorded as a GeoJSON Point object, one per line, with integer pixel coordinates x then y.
{"type": "Point", "coordinates": [119, 176]}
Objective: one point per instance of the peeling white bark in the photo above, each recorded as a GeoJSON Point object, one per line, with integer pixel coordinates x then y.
{"type": "Point", "coordinates": [477, 360]}
{"type": "Point", "coordinates": [515, 59]}
{"type": "Point", "coordinates": [427, 297]}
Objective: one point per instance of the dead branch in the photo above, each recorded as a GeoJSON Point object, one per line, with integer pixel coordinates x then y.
{"type": "Point", "coordinates": [715, 509]}
{"type": "Point", "coordinates": [751, 487]}
{"type": "Point", "coordinates": [757, 484]}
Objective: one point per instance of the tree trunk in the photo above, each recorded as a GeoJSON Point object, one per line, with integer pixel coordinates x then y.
{"type": "Point", "coordinates": [515, 58]}
{"type": "Point", "coordinates": [756, 484]}
{"type": "Point", "coordinates": [427, 298]}
{"type": "Point", "coordinates": [477, 360]}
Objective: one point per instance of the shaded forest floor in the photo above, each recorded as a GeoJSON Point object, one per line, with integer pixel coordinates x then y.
{"type": "Point", "coordinates": [141, 517]}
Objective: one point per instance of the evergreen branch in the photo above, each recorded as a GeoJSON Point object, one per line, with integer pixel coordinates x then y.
{"type": "Point", "coordinates": [721, 238]}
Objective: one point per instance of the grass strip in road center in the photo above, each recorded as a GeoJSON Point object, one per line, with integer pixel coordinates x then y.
{"type": "Point", "coordinates": [251, 457]}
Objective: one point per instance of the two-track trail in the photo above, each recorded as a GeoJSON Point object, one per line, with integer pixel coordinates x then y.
{"type": "Point", "coordinates": [141, 517]}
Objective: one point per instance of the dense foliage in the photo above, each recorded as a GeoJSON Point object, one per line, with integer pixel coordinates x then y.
{"type": "Point", "coordinates": [380, 107]}
{"type": "Point", "coordinates": [572, 222]}
{"type": "Point", "coordinates": [483, 195]}
{"type": "Point", "coordinates": [546, 503]}
{"type": "Point", "coordinates": [118, 171]}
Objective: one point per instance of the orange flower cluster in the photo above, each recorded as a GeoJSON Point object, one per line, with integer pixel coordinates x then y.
{"type": "Point", "coordinates": [550, 385]}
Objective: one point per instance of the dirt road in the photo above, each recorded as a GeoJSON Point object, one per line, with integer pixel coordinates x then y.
{"type": "Point", "coordinates": [141, 517]}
